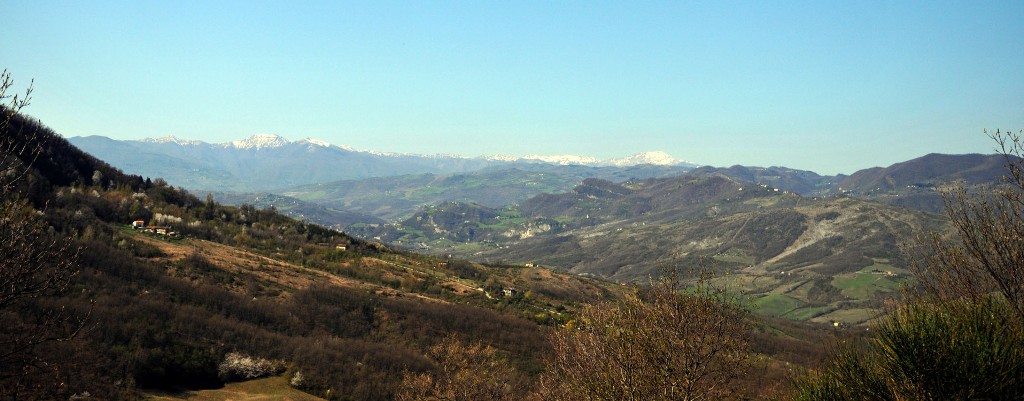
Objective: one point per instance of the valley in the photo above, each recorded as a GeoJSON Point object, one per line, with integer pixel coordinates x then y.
{"type": "Point", "coordinates": [804, 246]}
{"type": "Point", "coordinates": [502, 255]}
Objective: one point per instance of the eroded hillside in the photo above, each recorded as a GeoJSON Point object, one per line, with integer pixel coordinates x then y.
{"type": "Point", "coordinates": [825, 259]}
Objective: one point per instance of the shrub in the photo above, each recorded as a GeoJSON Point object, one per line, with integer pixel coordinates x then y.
{"type": "Point", "coordinates": [930, 351]}
{"type": "Point", "coordinates": [464, 372]}
{"type": "Point", "coordinates": [296, 380]}
{"type": "Point", "coordinates": [665, 344]}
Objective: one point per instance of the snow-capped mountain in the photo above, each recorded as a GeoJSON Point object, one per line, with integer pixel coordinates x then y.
{"type": "Point", "coordinates": [264, 141]}
{"type": "Point", "coordinates": [657, 158]}
{"type": "Point", "coordinates": [563, 160]}
{"type": "Point", "coordinates": [317, 142]}
{"type": "Point", "coordinates": [269, 141]}
{"type": "Point", "coordinates": [268, 161]}
{"type": "Point", "coordinates": [263, 162]}
{"type": "Point", "coordinates": [173, 140]}
{"type": "Point", "coordinates": [259, 141]}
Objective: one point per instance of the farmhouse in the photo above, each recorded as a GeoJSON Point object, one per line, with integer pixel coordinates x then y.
{"type": "Point", "coordinates": [158, 230]}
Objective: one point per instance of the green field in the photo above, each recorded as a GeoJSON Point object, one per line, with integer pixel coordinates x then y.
{"type": "Point", "coordinates": [777, 305]}
{"type": "Point", "coordinates": [866, 285]}
{"type": "Point", "coordinates": [848, 316]}
{"type": "Point", "coordinates": [809, 312]}
{"type": "Point", "coordinates": [267, 389]}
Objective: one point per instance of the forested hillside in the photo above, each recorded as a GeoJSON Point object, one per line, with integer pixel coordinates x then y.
{"type": "Point", "coordinates": [143, 310]}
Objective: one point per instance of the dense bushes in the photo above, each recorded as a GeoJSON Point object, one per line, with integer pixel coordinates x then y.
{"type": "Point", "coordinates": [923, 351]}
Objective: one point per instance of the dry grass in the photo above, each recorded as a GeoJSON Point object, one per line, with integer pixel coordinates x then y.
{"type": "Point", "coordinates": [236, 260]}
{"type": "Point", "coordinates": [266, 269]}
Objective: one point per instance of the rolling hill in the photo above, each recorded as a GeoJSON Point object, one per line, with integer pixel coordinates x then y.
{"type": "Point", "coordinates": [798, 256]}
{"type": "Point", "coordinates": [297, 209]}
{"type": "Point", "coordinates": [927, 171]}
{"type": "Point", "coordinates": [337, 186]}
{"type": "Point", "coordinates": [806, 183]}
{"type": "Point", "coordinates": [395, 198]}
{"type": "Point", "coordinates": [912, 184]}
{"type": "Point", "coordinates": [341, 186]}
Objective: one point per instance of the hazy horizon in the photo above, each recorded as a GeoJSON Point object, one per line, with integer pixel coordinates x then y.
{"type": "Point", "coordinates": [830, 88]}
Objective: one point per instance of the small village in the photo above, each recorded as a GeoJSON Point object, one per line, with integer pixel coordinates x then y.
{"type": "Point", "coordinates": [164, 231]}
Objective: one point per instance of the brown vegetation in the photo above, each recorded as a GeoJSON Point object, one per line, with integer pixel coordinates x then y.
{"type": "Point", "coordinates": [464, 373]}
{"type": "Point", "coordinates": [665, 344]}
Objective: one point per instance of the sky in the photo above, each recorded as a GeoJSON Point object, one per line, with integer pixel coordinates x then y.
{"type": "Point", "coordinates": [827, 86]}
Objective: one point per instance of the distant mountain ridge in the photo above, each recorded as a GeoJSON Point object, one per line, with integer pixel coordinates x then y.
{"type": "Point", "coordinates": [805, 183]}
{"type": "Point", "coordinates": [656, 158]}
{"type": "Point", "coordinates": [263, 141]}
{"type": "Point", "coordinates": [927, 170]}
{"type": "Point", "coordinates": [267, 162]}
{"type": "Point", "coordinates": [913, 184]}
{"type": "Point", "coordinates": [338, 186]}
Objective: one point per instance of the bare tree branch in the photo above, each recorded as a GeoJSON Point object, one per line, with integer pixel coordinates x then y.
{"type": "Point", "coordinates": [667, 344]}
{"type": "Point", "coordinates": [35, 261]}
{"type": "Point", "coordinates": [989, 254]}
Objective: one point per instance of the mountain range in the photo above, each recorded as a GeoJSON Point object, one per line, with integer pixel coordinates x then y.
{"type": "Point", "coordinates": [338, 186]}
{"type": "Point", "coordinates": [267, 162]}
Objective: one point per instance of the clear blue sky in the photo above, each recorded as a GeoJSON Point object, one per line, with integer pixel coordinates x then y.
{"type": "Point", "coordinates": [829, 86]}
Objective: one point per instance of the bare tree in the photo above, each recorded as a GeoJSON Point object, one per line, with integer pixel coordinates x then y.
{"type": "Point", "coordinates": [11, 165]}
{"type": "Point", "coordinates": [989, 254]}
{"type": "Point", "coordinates": [465, 373]}
{"type": "Point", "coordinates": [672, 343]}
{"type": "Point", "coordinates": [35, 262]}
